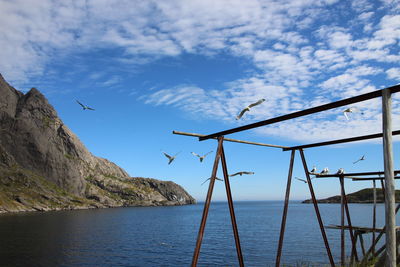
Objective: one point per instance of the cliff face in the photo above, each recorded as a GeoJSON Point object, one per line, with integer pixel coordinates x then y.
{"type": "Point", "coordinates": [363, 196]}
{"type": "Point", "coordinates": [44, 166]}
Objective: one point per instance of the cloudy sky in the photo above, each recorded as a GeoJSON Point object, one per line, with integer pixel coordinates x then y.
{"type": "Point", "coordinates": [150, 67]}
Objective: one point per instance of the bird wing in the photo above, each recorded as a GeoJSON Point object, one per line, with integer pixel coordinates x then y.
{"type": "Point", "coordinates": [168, 156]}
{"type": "Point", "coordinates": [210, 178]}
{"type": "Point", "coordinates": [89, 108]}
{"type": "Point", "coordinates": [345, 114]}
{"type": "Point", "coordinates": [242, 112]}
{"type": "Point", "coordinates": [80, 104]}
{"type": "Point", "coordinates": [205, 181]}
{"type": "Point", "coordinates": [248, 172]}
{"type": "Point", "coordinates": [195, 154]}
{"type": "Point", "coordinates": [300, 179]}
{"type": "Point", "coordinates": [207, 153]}
{"type": "Point", "coordinates": [237, 173]}
{"type": "Point", "coordinates": [256, 103]}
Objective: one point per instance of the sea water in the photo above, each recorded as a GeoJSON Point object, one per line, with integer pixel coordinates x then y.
{"type": "Point", "coordinates": [166, 236]}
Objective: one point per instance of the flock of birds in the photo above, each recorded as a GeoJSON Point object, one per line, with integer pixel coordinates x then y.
{"type": "Point", "coordinates": [201, 158]}
{"type": "Point", "coordinates": [325, 171]}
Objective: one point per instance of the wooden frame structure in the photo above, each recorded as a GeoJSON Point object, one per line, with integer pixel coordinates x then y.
{"type": "Point", "coordinates": [389, 172]}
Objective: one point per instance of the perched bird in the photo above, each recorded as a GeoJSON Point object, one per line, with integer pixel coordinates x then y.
{"type": "Point", "coordinates": [240, 173]}
{"type": "Point", "coordinates": [249, 107]}
{"type": "Point", "coordinates": [303, 180]}
{"type": "Point", "coordinates": [171, 158]}
{"type": "Point", "coordinates": [313, 171]}
{"type": "Point", "coordinates": [84, 106]}
{"type": "Point", "coordinates": [350, 110]}
{"type": "Point", "coordinates": [201, 158]}
{"type": "Point", "coordinates": [210, 178]}
{"type": "Point", "coordinates": [340, 171]}
{"type": "Point", "coordinates": [325, 171]}
{"type": "Point", "coordinates": [360, 159]}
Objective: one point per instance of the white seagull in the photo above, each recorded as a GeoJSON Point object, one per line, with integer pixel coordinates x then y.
{"type": "Point", "coordinates": [313, 171]}
{"type": "Point", "coordinates": [201, 158]}
{"type": "Point", "coordinates": [325, 171]}
{"type": "Point", "coordinates": [340, 171]}
{"type": "Point", "coordinates": [350, 110]}
{"type": "Point", "coordinates": [240, 173]}
{"type": "Point", "coordinates": [210, 178]}
{"type": "Point", "coordinates": [360, 159]}
{"type": "Point", "coordinates": [171, 158]}
{"type": "Point", "coordinates": [249, 107]}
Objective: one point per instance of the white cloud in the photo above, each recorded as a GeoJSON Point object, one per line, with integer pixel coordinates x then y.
{"type": "Point", "coordinates": [393, 73]}
{"type": "Point", "coordinates": [361, 5]}
{"type": "Point", "coordinates": [300, 54]}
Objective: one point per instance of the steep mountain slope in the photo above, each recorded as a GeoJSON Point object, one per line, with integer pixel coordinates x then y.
{"type": "Point", "coordinates": [44, 166]}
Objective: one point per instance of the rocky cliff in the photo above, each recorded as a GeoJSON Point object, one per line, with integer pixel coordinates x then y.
{"type": "Point", "coordinates": [44, 166]}
{"type": "Point", "coordinates": [363, 196]}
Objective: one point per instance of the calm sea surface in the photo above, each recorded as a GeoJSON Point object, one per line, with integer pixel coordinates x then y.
{"type": "Point", "coordinates": [166, 236]}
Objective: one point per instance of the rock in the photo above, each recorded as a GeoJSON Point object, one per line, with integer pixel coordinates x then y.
{"type": "Point", "coordinates": [41, 158]}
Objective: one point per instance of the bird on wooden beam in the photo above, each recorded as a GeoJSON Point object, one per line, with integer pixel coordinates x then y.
{"type": "Point", "coordinates": [324, 171]}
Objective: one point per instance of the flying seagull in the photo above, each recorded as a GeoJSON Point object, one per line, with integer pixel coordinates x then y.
{"type": "Point", "coordinates": [240, 173]}
{"type": "Point", "coordinates": [313, 171]}
{"type": "Point", "coordinates": [304, 181]}
{"type": "Point", "coordinates": [249, 107]}
{"type": "Point", "coordinates": [201, 158]}
{"type": "Point", "coordinates": [210, 178]}
{"type": "Point", "coordinates": [171, 158]}
{"type": "Point", "coordinates": [362, 158]}
{"type": "Point", "coordinates": [350, 110]}
{"type": "Point", "coordinates": [84, 106]}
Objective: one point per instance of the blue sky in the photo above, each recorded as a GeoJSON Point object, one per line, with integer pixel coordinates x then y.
{"type": "Point", "coordinates": [151, 67]}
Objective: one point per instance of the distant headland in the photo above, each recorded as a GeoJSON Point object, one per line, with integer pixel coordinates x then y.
{"type": "Point", "coordinates": [362, 196]}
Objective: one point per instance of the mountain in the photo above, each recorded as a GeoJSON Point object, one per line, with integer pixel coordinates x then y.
{"type": "Point", "coordinates": [44, 166]}
{"type": "Point", "coordinates": [362, 196]}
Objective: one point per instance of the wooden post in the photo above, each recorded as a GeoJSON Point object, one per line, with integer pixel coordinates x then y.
{"type": "Point", "coordinates": [342, 241]}
{"type": "Point", "coordinates": [314, 199]}
{"type": "Point", "coordinates": [285, 210]}
{"type": "Point", "coordinates": [389, 179]}
{"type": "Point", "coordinates": [207, 204]}
{"type": "Point", "coordinates": [231, 209]}
{"type": "Point", "coordinates": [374, 218]}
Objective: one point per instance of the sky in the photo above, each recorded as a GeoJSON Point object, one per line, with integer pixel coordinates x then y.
{"type": "Point", "coordinates": [151, 67]}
